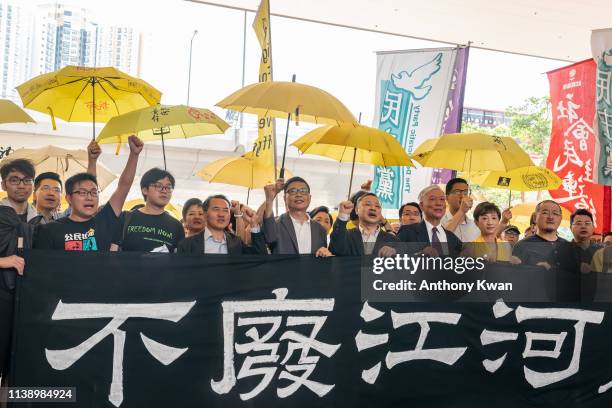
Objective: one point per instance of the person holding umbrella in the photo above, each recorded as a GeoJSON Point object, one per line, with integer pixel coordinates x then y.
{"type": "Point", "coordinates": [89, 228]}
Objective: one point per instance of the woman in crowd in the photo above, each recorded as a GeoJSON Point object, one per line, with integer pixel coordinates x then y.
{"type": "Point", "coordinates": [193, 217]}
{"type": "Point", "coordinates": [487, 217]}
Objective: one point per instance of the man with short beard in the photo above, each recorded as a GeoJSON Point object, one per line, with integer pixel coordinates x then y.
{"type": "Point", "coordinates": [293, 232]}
{"type": "Point", "coordinates": [533, 250]}
{"type": "Point", "coordinates": [89, 228]}
{"type": "Point", "coordinates": [368, 238]}
{"type": "Point", "coordinates": [216, 239]}
{"type": "Point", "coordinates": [150, 228]}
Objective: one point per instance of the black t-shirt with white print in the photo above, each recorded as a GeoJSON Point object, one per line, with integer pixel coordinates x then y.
{"type": "Point", "coordinates": [92, 235]}
{"type": "Point", "coordinates": [147, 232]}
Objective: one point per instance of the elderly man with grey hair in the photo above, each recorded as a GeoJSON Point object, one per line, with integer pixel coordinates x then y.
{"type": "Point", "coordinates": [437, 240]}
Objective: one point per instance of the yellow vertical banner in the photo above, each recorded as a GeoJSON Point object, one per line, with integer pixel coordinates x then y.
{"type": "Point", "coordinates": [264, 147]}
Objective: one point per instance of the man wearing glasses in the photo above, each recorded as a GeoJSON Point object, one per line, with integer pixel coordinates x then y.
{"type": "Point", "coordinates": [17, 181]}
{"type": "Point", "coordinates": [150, 228]}
{"type": "Point", "coordinates": [86, 228]}
{"type": "Point", "coordinates": [459, 203]}
{"type": "Point", "coordinates": [581, 222]}
{"type": "Point", "coordinates": [293, 232]}
{"type": "Point", "coordinates": [544, 248]}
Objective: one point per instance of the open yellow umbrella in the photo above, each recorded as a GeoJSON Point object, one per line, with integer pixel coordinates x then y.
{"type": "Point", "coordinates": [530, 178]}
{"type": "Point", "coordinates": [471, 152]}
{"type": "Point", "coordinates": [351, 142]}
{"type": "Point", "coordinates": [84, 94]}
{"type": "Point", "coordinates": [64, 162]}
{"type": "Point", "coordinates": [11, 113]}
{"type": "Point", "coordinates": [284, 99]}
{"type": "Point", "coordinates": [162, 122]}
{"type": "Point", "coordinates": [173, 209]}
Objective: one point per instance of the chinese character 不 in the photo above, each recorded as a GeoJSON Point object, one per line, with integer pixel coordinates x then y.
{"type": "Point", "coordinates": [119, 313]}
{"type": "Point", "coordinates": [306, 363]}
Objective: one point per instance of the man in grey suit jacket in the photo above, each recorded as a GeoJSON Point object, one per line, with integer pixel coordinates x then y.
{"type": "Point", "coordinates": [293, 232]}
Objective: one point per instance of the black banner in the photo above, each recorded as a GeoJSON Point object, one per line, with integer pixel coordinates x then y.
{"type": "Point", "coordinates": [151, 330]}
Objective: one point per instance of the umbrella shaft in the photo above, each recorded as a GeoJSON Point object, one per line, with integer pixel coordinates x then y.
{"type": "Point", "coordinates": [282, 170]}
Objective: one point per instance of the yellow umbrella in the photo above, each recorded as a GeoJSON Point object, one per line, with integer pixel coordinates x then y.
{"type": "Point", "coordinates": [83, 94]}
{"type": "Point", "coordinates": [356, 143]}
{"type": "Point", "coordinates": [64, 162]}
{"type": "Point", "coordinates": [162, 122]}
{"type": "Point", "coordinates": [239, 171]}
{"type": "Point", "coordinates": [471, 152]}
{"type": "Point", "coordinates": [11, 113]}
{"type": "Point", "coordinates": [174, 210]}
{"type": "Point", "coordinates": [284, 99]}
{"type": "Point", "coordinates": [530, 178]}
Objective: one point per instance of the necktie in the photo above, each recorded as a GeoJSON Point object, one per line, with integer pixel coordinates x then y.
{"type": "Point", "coordinates": [435, 241]}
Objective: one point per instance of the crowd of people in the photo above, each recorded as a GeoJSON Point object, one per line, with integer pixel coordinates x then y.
{"type": "Point", "coordinates": [218, 225]}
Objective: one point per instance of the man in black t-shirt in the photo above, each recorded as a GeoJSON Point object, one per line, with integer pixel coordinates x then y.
{"type": "Point", "coordinates": [87, 228]}
{"type": "Point", "coordinates": [150, 228]}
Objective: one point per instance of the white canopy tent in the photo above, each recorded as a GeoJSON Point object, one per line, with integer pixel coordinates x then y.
{"type": "Point", "coordinates": [555, 29]}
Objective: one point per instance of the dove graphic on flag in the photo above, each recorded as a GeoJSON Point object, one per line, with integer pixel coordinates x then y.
{"type": "Point", "coordinates": [414, 82]}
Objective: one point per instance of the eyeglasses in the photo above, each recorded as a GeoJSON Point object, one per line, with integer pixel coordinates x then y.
{"type": "Point", "coordinates": [160, 187]}
{"type": "Point", "coordinates": [547, 213]}
{"type": "Point", "coordinates": [49, 188]}
{"type": "Point", "coordinates": [583, 223]}
{"type": "Point", "coordinates": [294, 191]}
{"type": "Point", "coordinates": [85, 193]}
{"type": "Point", "coordinates": [15, 181]}
{"type": "Point", "coordinates": [464, 192]}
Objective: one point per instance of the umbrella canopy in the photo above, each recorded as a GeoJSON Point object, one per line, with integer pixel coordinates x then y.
{"type": "Point", "coordinates": [238, 171]}
{"type": "Point", "coordinates": [83, 94]}
{"type": "Point", "coordinates": [174, 210]}
{"type": "Point", "coordinates": [162, 122]}
{"type": "Point", "coordinates": [530, 178]}
{"type": "Point", "coordinates": [64, 162]}
{"type": "Point", "coordinates": [278, 99]}
{"type": "Point", "coordinates": [471, 152]}
{"type": "Point", "coordinates": [11, 113]}
{"type": "Point", "coordinates": [167, 121]}
{"type": "Point", "coordinates": [353, 142]}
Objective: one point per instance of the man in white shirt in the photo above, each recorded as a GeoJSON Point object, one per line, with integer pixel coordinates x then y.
{"type": "Point", "coordinates": [459, 203]}
{"type": "Point", "coordinates": [293, 232]}
{"type": "Point", "coordinates": [435, 238]}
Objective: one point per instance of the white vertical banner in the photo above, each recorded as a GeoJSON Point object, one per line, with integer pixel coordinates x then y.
{"type": "Point", "coordinates": [412, 89]}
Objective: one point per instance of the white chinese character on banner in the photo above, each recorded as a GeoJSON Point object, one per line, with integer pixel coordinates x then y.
{"type": "Point", "coordinates": [570, 184]}
{"type": "Point", "coordinates": [364, 341]}
{"type": "Point", "coordinates": [568, 112]}
{"type": "Point", "coordinates": [535, 378]}
{"type": "Point", "coordinates": [384, 189]}
{"type": "Point", "coordinates": [306, 363]}
{"type": "Point", "coordinates": [581, 131]}
{"type": "Point", "coordinates": [391, 107]}
{"type": "Point", "coordinates": [570, 154]}
{"type": "Point", "coordinates": [119, 313]}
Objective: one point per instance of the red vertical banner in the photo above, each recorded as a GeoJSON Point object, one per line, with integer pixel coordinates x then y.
{"type": "Point", "coordinates": [573, 141]}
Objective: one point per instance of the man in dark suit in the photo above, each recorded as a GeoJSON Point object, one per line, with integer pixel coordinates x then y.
{"type": "Point", "coordinates": [216, 239]}
{"type": "Point", "coordinates": [293, 232]}
{"type": "Point", "coordinates": [367, 238]}
{"type": "Point", "coordinates": [430, 231]}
